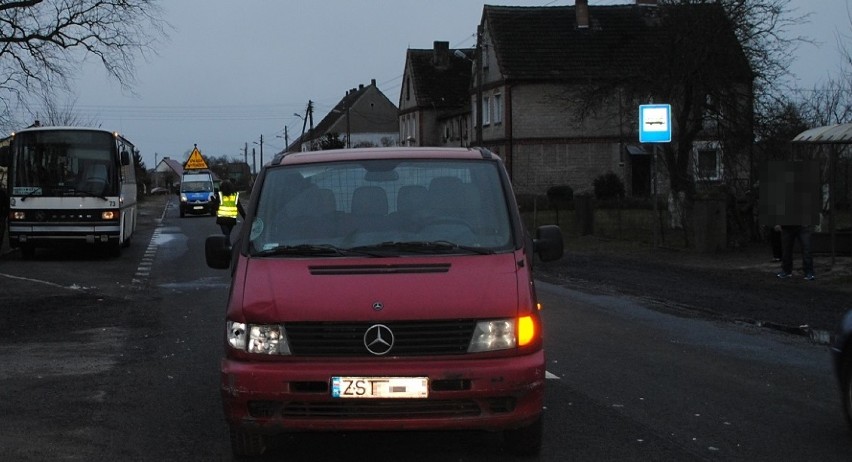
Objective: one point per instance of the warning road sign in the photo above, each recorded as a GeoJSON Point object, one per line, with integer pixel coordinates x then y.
{"type": "Point", "coordinates": [195, 161]}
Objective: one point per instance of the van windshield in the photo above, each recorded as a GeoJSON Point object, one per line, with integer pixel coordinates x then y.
{"type": "Point", "coordinates": [382, 207]}
{"type": "Point", "coordinates": [196, 186]}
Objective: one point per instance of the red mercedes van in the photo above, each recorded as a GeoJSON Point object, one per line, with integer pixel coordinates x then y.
{"type": "Point", "coordinates": [383, 289]}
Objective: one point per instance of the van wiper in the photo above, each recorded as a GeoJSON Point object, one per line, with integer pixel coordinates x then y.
{"type": "Point", "coordinates": [426, 247]}
{"type": "Point", "coordinates": [310, 250]}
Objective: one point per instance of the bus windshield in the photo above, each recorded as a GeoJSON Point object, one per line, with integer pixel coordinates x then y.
{"type": "Point", "coordinates": [65, 163]}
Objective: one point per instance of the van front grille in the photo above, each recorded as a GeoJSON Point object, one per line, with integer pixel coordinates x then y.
{"type": "Point", "coordinates": [411, 338]}
{"type": "Point", "coordinates": [387, 409]}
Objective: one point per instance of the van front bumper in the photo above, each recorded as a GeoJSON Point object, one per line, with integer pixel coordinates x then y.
{"type": "Point", "coordinates": [476, 394]}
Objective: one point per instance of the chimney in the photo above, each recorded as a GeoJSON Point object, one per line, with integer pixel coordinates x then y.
{"type": "Point", "coordinates": [582, 9]}
{"type": "Point", "coordinates": [440, 54]}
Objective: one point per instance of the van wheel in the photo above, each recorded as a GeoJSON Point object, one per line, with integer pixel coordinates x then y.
{"type": "Point", "coordinates": [246, 443]}
{"type": "Point", "coordinates": [182, 212]}
{"type": "Point", "coordinates": [524, 441]}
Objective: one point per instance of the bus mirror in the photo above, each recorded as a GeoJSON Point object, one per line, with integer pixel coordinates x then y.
{"type": "Point", "coordinates": [5, 156]}
{"type": "Point", "coordinates": [125, 158]}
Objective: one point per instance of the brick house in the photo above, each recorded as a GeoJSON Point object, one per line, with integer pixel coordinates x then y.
{"type": "Point", "coordinates": [363, 117]}
{"type": "Point", "coordinates": [539, 66]}
{"type": "Point", "coordinates": [434, 101]}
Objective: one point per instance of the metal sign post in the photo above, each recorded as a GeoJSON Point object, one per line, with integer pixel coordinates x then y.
{"type": "Point", "coordinates": [655, 126]}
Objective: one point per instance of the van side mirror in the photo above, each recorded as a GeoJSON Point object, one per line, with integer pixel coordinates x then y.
{"type": "Point", "coordinates": [125, 158]}
{"type": "Point", "coordinates": [548, 242]}
{"type": "Point", "coordinates": [217, 252]}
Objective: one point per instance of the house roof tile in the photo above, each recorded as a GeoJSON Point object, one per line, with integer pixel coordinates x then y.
{"type": "Point", "coordinates": [545, 42]}
{"type": "Point", "coordinates": [441, 82]}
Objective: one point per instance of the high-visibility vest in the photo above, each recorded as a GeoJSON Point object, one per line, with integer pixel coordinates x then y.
{"type": "Point", "coordinates": [228, 205]}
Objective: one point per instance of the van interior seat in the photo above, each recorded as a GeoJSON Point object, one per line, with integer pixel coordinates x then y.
{"type": "Point", "coordinates": [369, 200]}
{"type": "Point", "coordinates": [369, 210]}
{"type": "Point", "coordinates": [449, 196]}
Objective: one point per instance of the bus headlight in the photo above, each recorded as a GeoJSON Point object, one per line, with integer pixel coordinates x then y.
{"type": "Point", "coordinates": [109, 215]}
{"type": "Point", "coordinates": [19, 215]}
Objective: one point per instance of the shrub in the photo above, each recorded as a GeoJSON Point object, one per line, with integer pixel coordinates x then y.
{"type": "Point", "coordinates": [608, 186]}
{"type": "Point", "coordinates": [560, 195]}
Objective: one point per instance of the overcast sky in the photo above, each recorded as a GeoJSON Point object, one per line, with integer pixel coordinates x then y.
{"type": "Point", "coordinates": [232, 71]}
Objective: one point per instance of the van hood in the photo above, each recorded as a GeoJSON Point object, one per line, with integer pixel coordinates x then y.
{"type": "Point", "coordinates": [370, 289]}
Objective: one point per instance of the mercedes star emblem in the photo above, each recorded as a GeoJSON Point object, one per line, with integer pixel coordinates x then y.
{"type": "Point", "coordinates": [378, 339]}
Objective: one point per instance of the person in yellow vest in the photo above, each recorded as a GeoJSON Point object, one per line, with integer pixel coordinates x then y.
{"type": "Point", "coordinates": [229, 207]}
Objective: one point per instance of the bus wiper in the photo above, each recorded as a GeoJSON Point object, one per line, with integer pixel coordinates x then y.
{"type": "Point", "coordinates": [427, 247]}
{"type": "Point", "coordinates": [87, 193]}
{"type": "Point", "coordinates": [31, 194]}
{"type": "Point", "coordinates": [310, 250]}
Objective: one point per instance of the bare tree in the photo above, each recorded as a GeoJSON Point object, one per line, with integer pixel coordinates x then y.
{"type": "Point", "coordinates": [42, 43]}
{"type": "Point", "coordinates": [714, 61]}
{"type": "Point", "coordinates": [52, 113]}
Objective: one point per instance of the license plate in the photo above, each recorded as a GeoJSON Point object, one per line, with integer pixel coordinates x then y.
{"type": "Point", "coordinates": [198, 207]}
{"type": "Point", "coordinates": [379, 387]}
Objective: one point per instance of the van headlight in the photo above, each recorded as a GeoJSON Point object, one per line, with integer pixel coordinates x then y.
{"type": "Point", "coordinates": [183, 197]}
{"type": "Point", "coordinates": [502, 334]}
{"type": "Point", "coordinates": [258, 338]}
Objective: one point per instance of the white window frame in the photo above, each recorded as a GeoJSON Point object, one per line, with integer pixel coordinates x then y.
{"type": "Point", "coordinates": [704, 147]}
{"type": "Point", "coordinates": [498, 108]}
{"type": "Point", "coordinates": [486, 110]}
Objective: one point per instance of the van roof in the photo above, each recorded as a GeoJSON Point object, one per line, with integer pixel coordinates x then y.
{"type": "Point", "coordinates": [335, 155]}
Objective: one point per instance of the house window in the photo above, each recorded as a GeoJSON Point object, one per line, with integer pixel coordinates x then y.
{"type": "Point", "coordinates": [498, 109]}
{"type": "Point", "coordinates": [485, 56]}
{"type": "Point", "coordinates": [707, 161]}
{"type": "Point", "coordinates": [486, 110]}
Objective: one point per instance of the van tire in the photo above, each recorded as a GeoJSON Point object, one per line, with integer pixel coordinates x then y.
{"type": "Point", "coordinates": [245, 443]}
{"type": "Point", "coordinates": [524, 441]}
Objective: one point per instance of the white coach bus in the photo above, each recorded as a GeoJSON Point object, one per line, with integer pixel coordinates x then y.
{"type": "Point", "coordinates": [70, 184]}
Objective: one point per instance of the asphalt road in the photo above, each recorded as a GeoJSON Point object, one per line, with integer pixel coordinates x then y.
{"type": "Point", "coordinates": [736, 286]}
{"type": "Point", "coordinates": [117, 359]}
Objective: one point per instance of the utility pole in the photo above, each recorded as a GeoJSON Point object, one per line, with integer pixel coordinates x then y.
{"type": "Point", "coordinates": [311, 117]}
{"type": "Point", "coordinates": [348, 130]}
{"type": "Point", "coordinates": [261, 150]}
{"type": "Point", "coordinates": [253, 161]}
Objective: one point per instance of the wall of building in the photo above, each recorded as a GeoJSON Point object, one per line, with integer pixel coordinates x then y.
{"type": "Point", "coordinates": [536, 167]}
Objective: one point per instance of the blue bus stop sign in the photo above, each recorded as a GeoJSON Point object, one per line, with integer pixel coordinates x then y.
{"type": "Point", "coordinates": [655, 123]}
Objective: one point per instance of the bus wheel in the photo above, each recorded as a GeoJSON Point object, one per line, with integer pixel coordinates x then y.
{"type": "Point", "coordinates": [114, 249]}
{"type": "Point", "coordinates": [27, 251]}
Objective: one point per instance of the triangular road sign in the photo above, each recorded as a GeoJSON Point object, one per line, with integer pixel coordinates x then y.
{"type": "Point", "coordinates": [195, 161]}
